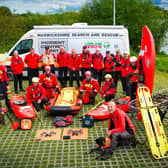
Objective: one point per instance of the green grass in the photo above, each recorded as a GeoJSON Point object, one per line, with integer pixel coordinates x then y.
{"type": "Point", "coordinates": [162, 63]}
{"type": "Point", "coordinates": [18, 148]}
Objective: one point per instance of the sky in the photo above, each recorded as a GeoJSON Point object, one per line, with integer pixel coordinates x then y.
{"type": "Point", "coordinates": [161, 3]}
{"type": "Point", "coordinates": [42, 6]}
{"type": "Point", "coordinates": [53, 6]}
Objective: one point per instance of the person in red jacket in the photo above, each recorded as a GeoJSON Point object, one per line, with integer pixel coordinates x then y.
{"type": "Point", "coordinates": [121, 131]}
{"type": "Point", "coordinates": [63, 61]}
{"type": "Point", "coordinates": [89, 89]}
{"type": "Point", "coordinates": [36, 94]}
{"type": "Point", "coordinates": [49, 81]}
{"type": "Point", "coordinates": [74, 63]}
{"type": "Point", "coordinates": [117, 61]}
{"type": "Point", "coordinates": [17, 67]}
{"type": "Point", "coordinates": [85, 60]}
{"type": "Point", "coordinates": [48, 59]}
{"type": "Point", "coordinates": [125, 63]}
{"type": "Point", "coordinates": [4, 84]}
{"type": "Point", "coordinates": [108, 88]}
{"type": "Point", "coordinates": [32, 60]}
{"type": "Point", "coordinates": [133, 75]}
{"type": "Point", "coordinates": [109, 64]}
{"type": "Point", "coordinates": [98, 65]}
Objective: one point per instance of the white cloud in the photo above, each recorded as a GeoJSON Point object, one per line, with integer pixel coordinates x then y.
{"type": "Point", "coordinates": [40, 6]}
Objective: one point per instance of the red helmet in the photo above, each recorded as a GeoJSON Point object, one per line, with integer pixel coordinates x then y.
{"type": "Point", "coordinates": [88, 73]}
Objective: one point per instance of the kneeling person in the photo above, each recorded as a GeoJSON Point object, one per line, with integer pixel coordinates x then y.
{"type": "Point", "coordinates": [36, 94]}
{"type": "Point", "coordinates": [121, 131]}
{"type": "Point", "coordinates": [89, 88]}
{"type": "Point", "coordinates": [49, 81]}
{"type": "Point", "coordinates": [108, 88]}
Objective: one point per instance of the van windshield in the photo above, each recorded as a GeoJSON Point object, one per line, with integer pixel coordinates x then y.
{"type": "Point", "coordinates": [23, 46]}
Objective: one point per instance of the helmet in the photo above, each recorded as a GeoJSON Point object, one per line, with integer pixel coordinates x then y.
{"type": "Point", "coordinates": [88, 73]}
{"type": "Point", "coordinates": [35, 79]}
{"type": "Point", "coordinates": [47, 67]}
{"type": "Point", "coordinates": [108, 76]}
{"type": "Point", "coordinates": [133, 59]}
{"type": "Point", "coordinates": [126, 52]}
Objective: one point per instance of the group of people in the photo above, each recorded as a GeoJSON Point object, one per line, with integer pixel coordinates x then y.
{"type": "Point", "coordinates": [43, 87]}
{"type": "Point", "coordinates": [94, 67]}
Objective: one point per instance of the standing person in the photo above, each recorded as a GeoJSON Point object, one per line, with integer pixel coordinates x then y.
{"type": "Point", "coordinates": [117, 59]}
{"type": "Point", "coordinates": [98, 65]}
{"type": "Point", "coordinates": [63, 61]}
{"type": "Point", "coordinates": [86, 61]}
{"type": "Point", "coordinates": [17, 67]}
{"type": "Point", "coordinates": [125, 63]}
{"type": "Point", "coordinates": [74, 63]}
{"type": "Point", "coordinates": [49, 81]}
{"type": "Point", "coordinates": [121, 130]}
{"type": "Point", "coordinates": [4, 85]}
{"type": "Point", "coordinates": [109, 64]}
{"type": "Point", "coordinates": [133, 74]}
{"type": "Point", "coordinates": [108, 88]}
{"type": "Point", "coordinates": [36, 94]}
{"type": "Point", "coordinates": [89, 89]}
{"type": "Point", "coordinates": [32, 60]}
{"type": "Point", "coordinates": [48, 59]}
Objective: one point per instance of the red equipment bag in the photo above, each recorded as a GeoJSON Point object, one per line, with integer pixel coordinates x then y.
{"type": "Point", "coordinates": [63, 121]}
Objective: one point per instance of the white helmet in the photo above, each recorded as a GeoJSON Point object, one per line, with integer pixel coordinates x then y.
{"type": "Point", "coordinates": [133, 59]}
{"type": "Point", "coordinates": [35, 79]}
{"type": "Point", "coordinates": [126, 52]}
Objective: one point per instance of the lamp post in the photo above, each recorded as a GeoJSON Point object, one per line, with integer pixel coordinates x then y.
{"type": "Point", "coordinates": [114, 12]}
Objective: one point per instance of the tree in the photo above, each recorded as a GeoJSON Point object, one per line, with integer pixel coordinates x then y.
{"type": "Point", "coordinates": [133, 14]}
{"type": "Point", "coordinates": [4, 11]}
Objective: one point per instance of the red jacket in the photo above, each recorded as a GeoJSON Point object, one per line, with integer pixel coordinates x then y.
{"type": "Point", "coordinates": [120, 122]}
{"type": "Point", "coordinates": [63, 59]}
{"type": "Point", "coordinates": [48, 59]}
{"type": "Point", "coordinates": [118, 63]}
{"type": "Point", "coordinates": [108, 88]}
{"type": "Point", "coordinates": [90, 86]}
{"type": "Point", "coordinates": [32, 61]}
{"type": "Point", "coordinates": [48, 82]}
{"type": "Point", "coordinates": [108, 64]}
{"type": "Point", "coordinates": [35, 94]}
{"type": "Point", "coordinates": [86, 60]}
{"type": "Point", "coordinates": [17, 65]}
{"type": "Point", "coordinates": [133, 76]}
{"type": "Point", "coordinates": [125, 63]}
{"type": "Point", "coordinates": [74, 62]}
{"type": "Point", "coordinates": [3, 74]}
{"type": "Point", "coordinates": [98, 62]}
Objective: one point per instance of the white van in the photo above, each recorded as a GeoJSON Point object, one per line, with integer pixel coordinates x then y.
{"type": "Point", "coordinates": [75, 36]}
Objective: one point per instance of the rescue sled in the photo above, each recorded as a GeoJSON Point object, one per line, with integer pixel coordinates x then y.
{"type": "Point", "coordinates": [65, 103]}
{"type": "Point", "coordinates": [21, 108]}
{"type": "Point", "coordinates": [102, 113]}
{"type": "Point", "coordinates": [153, 125]}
